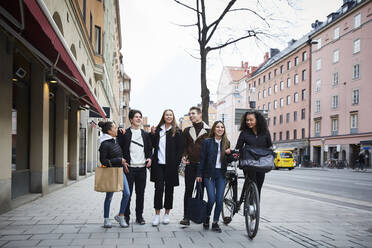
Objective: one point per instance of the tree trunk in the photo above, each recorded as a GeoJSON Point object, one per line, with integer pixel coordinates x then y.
{"type": "Point", "coordinates": [204, 88]}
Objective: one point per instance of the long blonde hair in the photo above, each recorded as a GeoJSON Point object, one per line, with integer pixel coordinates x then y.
{"type": "Point", "coordinates": [174, 122]}
{"type": "Point", "coordinates": [224, 140]}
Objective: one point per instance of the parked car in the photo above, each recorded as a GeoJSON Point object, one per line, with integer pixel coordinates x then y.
{"type": "Point", "coordinates": [284, 159]}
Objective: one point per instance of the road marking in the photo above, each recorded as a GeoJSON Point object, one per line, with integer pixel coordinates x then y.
{"type": "Point", "coordinates": [326, 196]}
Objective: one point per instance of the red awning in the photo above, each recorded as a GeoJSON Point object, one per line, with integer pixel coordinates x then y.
{"type": "Point", "coordinates": [41, 34]}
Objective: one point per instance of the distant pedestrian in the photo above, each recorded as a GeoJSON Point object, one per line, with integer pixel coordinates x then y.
{"type": "Point", "coordinates": [214, 157]}
{"type": "Point", "coordinates": [137, 151]}
{"type": "Point", "coordinates": [111, 156]}
{"type": "Point", "coordinates": [254, 132]}
{"type": "Point", "coordinates": [362, 159]}
{"type": "Point", "coordinates": [193, 137]}
{"type": "Point", "coordinates": [167, 141]}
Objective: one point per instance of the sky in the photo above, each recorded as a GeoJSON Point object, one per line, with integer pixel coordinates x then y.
{"type": "Point", "coordinates": [159, 54]}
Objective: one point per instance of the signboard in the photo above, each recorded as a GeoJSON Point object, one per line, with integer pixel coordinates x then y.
{"type": "Point", "coordinates": [95, 115]}
{"type": "Point", "coordinates": [239, 112]}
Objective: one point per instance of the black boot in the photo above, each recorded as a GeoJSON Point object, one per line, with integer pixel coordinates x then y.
{"type": "Point", "coordinates": [206, 223]}
{"type": "Point", "coordinates": [216, 227]}
{"type": "Point", "coordinates": [185, 222]}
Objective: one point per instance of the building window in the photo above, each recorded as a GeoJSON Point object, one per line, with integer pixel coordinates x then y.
{"type": "Point", "coordinates": [287, 135]}
{"type": "Point", "coordinates": [356, 46]}
{"type": "Point", "coordinates": [356, 71]}
{"type": "Point", "coordinates": [296, 61]}
{"type": "Point", "coordinates": [319, 44]}
{"type": "Point", "coordinates": [269, 106]}
{"type": "Point", "coordinates": [288, 82]}
{"type": "Point", "coordinates": [97, 44]}
{"type": "Point", "coordinates": [259, 81]}
{"type": "Point", "coordinates": [275, 88]}
{"type": "Point", "coordinates": [318, 64]}
{"type": "Point", "coordinates": [269, 75]}
{"type": "Point", "coordinates": [287, 117]}
{"type": "Point", "coordinates": [355, 97]}
{"type": "Point", "coordinates": [304, 56]}
{"type": "Point", "coordinates": [84, 10]}
{"type": "Point", "coordinates": [288, 100]}
{"type": "Point", "coordinates": [275, 72]}
{"type": "Point", "coordinates": [357, 20]}
{"type": "Point", "coordinates": [289, 65]}
{"type": "Point", "coordinates": [269, 91]}
{"type": "Point", "coordinates": [336, 55]}
{"type": "Point", "coordinates": [303, 95]}
{"type": "Point", "coordinates": [274, 136]}
{"type": "Point", "coordinates": [336, 33]}
{"type": "Point", "coordinates": [90, 26]}
{"type": "Point", "coordinates": [254, 84]}
{"type": "Point", "coordinates": [303, 133]}
{"type": "Point", "coordinates": [303, 75]}
{"type": "Point", "coordinates": [317, 106]}
{"type": "Point", "coordinates": [275, 104]}
{"type": "Point", "coordinates": [268, 122]}
{"type": "Point", "coordinates": [303, 113]}
{"type": "Point", "coordinates": [317, 127]}
{"type": "Point", "coordinates": [263, 107]}
{"type": "Point", "coordinates": [296, 79]}
{"type": "Point", "coordinates": [295, 134]}
{"type": "Point", "coordinates": [264, 78]}
{"type": "Point", "coordinates": [264, 93]}
{"type": "Point", "coordinates": [334, 125]}
{"type": "Point", "coordinates": [354, 120]}
{"type": "Point", "coordinates": [281, 85]}
{"type": "Point", "coordinates": [334, 102]}
{"type": "Point", "coordinates": [281, 69]}
{"type": "Point", "coordinates": [295, 97]}
{"type": "Point", "coordinates": [281, 102]}
{"type": "Point", "coordinates": [274, 121]}
{"type": "Point", "coordinates": [295, 116]}
{"type": "Point", "coordinates": [281, 119]}
{"type": "Point", "coordinates": [259, 95]}
{"type": "Point", "coordinates": [280, 136]}
{"type": "Point", "coordinates": [335, 79]}
{"type": "Point", "coordinates": [318, 85]}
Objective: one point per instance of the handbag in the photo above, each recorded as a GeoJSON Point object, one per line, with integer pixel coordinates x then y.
{"type": "Point", "coordinates": [197, 206]}
{"type": "Point", "coordinates": [256, 159]}
{"type": "Point", "coordinates": [109, 179]}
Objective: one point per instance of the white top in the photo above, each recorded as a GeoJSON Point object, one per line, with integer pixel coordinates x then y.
{"type": "Point", "coordinates": [218, 160]}
{"type": "Point", "coordinates": [162, 144]}
{"type": "Point", "coordinates": [137, 153]}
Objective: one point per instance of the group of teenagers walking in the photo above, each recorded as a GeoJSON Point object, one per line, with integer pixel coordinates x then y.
{"type": "Point", "coordinates": [204, 151]}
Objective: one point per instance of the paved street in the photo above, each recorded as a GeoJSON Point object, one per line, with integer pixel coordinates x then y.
{"type": "Point", "coordinates": [72, 217]}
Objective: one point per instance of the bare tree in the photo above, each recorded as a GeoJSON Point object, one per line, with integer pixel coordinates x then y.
{"type": "Point", "coordinates": [206, 31]}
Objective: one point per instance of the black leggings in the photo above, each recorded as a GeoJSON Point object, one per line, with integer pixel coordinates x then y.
{"type": "Point", "coordinates": [258, 178]}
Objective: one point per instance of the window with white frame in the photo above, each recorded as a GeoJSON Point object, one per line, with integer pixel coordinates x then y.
{"type": "Point", "coordinates": [264, 93]}
{"type": "Point", "coordinates": [354, 120]}
{"type": "Point", "coordinates": [334, 102]}
{"type": "Point", "coordinates": [263, 107]}
{"type": "Point", "coordinates": [259, 95]}
{"type": "Point", "coordinates": [295, 97]}
{"type": "Point", "coordinates": [275, 88]}
{"type": "Point", "coordinates": [319, 44]}
{"type": "Point", "coordinates": [269, 91]}
{"type": "Point", "coordinates": [303, 94]}
{"type": "Point", "coordinates": [335, 79]}
{"type": "Point", "coordinates": [336, 33]}
{"type": "Point", "coordinates": [296, 79]}
{"type": "Point", "coordinates": [288, 82]}
{"type": "Point", "coordinates": [304, 56]}
{"type": "Point", "coordinates": [281, 85]}
{"type": "Point", "coordinates": [289, 65]}
{"type": "Point", "coordinates": [288, 100]}
{"type": "Point", "coordinates": [317, 106]}
{"type": "Point", "coordinates": [335, 124]}
{"type": "Point", "coordinates": [356, 46]}
{"type": "Point", "coordinates": [336, 56]}
{"type": "Point", "coordinates": [318, 84]}
{"type": "Point", "coordinates": [303, 75]}
{"type": "Point", "coordinates": [317, 126]}
{"type": "Point", "coordinates": [357, 20]}
{"type": "Point", "coordinates": [355, 97]}
{"type": "Point", "coordinates": [275, 104]}
{"type": "Point", "coordinates": [281, 102]}
{"type": "Point", "coordinates": [296, 61]}
{"type": "Point", "coordinates": [318, 64]}
{"type": "Point", "coordinates": [269, 106]}
{"type": "Point", "coordinates": [356, 71]}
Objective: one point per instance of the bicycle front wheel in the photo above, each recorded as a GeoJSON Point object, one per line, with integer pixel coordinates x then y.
{"type": "Point", "coordinates": [252, 210]}
{"type": "Point", "coordinates": [228, 204]}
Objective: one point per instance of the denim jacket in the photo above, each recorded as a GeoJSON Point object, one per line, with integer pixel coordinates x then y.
{"type": "Point", "coordinates": [208, 157]}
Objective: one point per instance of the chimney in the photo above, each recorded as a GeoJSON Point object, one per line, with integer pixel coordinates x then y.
{"type": "Point", "coordinates": [273, 52]}
{"type": "Point", "coordinates": [266, 56]}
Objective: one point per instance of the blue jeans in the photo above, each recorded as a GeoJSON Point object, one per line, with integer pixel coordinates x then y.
{"type": "Point", "coordinates": [215, 189]}
{"type": "Point", "coordinates": [124, 199]}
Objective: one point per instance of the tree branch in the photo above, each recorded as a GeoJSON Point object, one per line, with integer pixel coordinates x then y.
{"type": "Point", "coordinates": [251, 33]}
{"type": "Point", "coordinates": [185, 5]}
{"type": "Point", "coordinates": [254, 12]}
{"type": "Point", "coordinates": [198, 17]}
{"type": "Point", "coordinates": [185, 25]}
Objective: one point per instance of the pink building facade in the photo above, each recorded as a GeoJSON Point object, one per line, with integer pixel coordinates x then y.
{"type": "Point", "coordinates": [341, 86]}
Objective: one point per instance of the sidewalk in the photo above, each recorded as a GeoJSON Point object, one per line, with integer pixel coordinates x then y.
{"type": "Point", "coordinates": [72, 217]}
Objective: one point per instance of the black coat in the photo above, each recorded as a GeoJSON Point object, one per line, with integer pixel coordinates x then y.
{"type": "Point", "coordinates": [125, 140]}
{"type": "Point", "coordinates": [110, 154]}
{"type": "Point", "coordinates": [249, 138]}
{"type": "Point", "coordinates": [173, 155]}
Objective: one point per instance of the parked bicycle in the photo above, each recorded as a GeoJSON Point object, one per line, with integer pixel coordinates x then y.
{"type": "Point", "coordinates": [249, 196]}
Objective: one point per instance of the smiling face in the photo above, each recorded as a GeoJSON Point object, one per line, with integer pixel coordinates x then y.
{"type": "Point", "coordinates": [219, 130]}
{"type": "Point", "coordinates": [168, 117]}
{"type": "Point", "coordinates": [137, 120]}
{"type": "Point", "coordinates": [195, 116]}
{"type": "Point", "coordinates": [251, 120]}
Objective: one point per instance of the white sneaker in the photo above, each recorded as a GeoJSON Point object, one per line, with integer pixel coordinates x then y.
{"type": "Point", "coordinates": [156, 220]}
{"type": "Point", "coordinates": [107, 223]}
{"type": "Point", "coordinates": [166, 219]}
{"type": "Point", "coordinates": [121, 221]}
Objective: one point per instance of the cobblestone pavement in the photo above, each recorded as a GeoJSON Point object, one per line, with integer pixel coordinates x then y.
{"type": "Point", "coordinates": [72, 217]}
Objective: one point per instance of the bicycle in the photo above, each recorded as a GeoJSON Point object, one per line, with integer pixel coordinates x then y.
{"type": "Point", "coordinates": [249, 196]}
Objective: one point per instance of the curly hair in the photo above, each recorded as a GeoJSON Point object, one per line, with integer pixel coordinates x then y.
{"type": "Point", "coordinates": [261, 122]}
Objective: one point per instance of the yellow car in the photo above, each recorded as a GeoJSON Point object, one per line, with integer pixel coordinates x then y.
{"type": "Point", "coordinates": [284, 159]}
